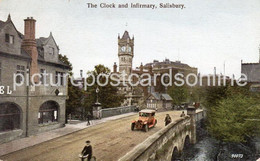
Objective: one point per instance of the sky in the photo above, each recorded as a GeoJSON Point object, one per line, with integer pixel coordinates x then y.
{"type": "Point", "coordinates": [206, 34]}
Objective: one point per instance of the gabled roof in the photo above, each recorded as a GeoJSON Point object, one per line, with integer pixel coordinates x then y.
{"type": "Point", "coordinates": [126, 35]}
{"type": "Point", "coordinates": [9, 20]}
{"type": "Point", "coordinates": [167, 97]}
{"type": "Point", "coordinates": [41, 41]}
{"type": "Point", "coordinates": [44, 40]}
{"type": "Point", "coordinates": [1, 24]}
{"type": "Point", "coordinates": [155, 95]}
{"type": "Point", "coordinates": [159, 96]}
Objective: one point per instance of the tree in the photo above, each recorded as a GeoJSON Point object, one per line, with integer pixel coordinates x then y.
{"type": "Point", "coordinates": [232, 113]}
{"type": "Point", "coordinates": [234, 118]}
{"type": "Point", "coordinates": [108, 96]}
{"type": "Point", "coordinates": [75, 94]}
{"type": "Point", "coordinates": [179, 94]}
{"type": "Point", "coordinates": [65, 60]}
{"type": "Point", "coordinates": [214, 94]}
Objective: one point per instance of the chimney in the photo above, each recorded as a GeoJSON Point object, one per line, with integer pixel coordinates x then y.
{"type": "Point", "coordinates": [29, 45]}
{"type": "Point", "coordinates": [115, 67]}
{"type": "Point", "coordinates": [81, 73]}
{"type": "Point", "coordinates": [141, 68]}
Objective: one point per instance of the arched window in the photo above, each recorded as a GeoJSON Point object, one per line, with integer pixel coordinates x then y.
{"type": "Point", "coordinates": [48, 112]}
{"type": "Point", "coordinates": [9, 117]}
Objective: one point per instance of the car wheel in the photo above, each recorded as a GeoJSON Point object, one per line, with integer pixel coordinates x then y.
{"type": "Point", "coordinates": [133, 126]}
{"type": "Point", "coordinates": [146, 128]}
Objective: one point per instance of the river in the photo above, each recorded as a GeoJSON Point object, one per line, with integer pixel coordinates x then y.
{"type": "Point", "coordinates": [210, 149]}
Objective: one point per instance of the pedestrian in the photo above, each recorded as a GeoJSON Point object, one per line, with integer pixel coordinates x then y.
{"type": "Point", "coordinates": [168, 119]}
{"type": "Point", "coordinates": [86, 152]}
{"type": "Point", "coordinates": [88, 118]}
{"type": "Point", "coordinates": [182, 114]}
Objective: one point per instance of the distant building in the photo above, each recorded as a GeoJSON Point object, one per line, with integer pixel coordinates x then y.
{"type": "Point", "coordinates": [212, 80]}
{"type": "Point", "coordinates": [252, 71]}
{"type": "Point", "coordinates": [165, 66]}
{"type": "Point", "coordinates": [159, 101]}
{"type": "Point", "coordinates": [29, 110]}
{"type": "Point", "coordinates": [138, 95]}
{"type": "Point", "coordinates": [125, 55]}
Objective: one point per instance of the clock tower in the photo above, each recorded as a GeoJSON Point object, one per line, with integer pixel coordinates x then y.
{"type": "Point", "coordinates": [125, 53]}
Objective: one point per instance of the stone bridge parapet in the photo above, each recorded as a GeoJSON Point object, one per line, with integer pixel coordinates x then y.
{"type": "Point", "coordinates": [167, 143]}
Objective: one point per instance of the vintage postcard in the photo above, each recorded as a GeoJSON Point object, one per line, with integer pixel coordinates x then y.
{"type": "Point", "coordinates": [129, 80]}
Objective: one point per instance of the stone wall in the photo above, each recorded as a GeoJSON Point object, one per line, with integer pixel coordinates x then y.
{"type": "Point", "coordinates": [117, 111]}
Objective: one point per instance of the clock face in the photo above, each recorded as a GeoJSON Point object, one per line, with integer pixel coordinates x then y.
{"type": "Point", "coordinates": [123, 48]}
{"type": "Point", "coordinates": [129, 49]}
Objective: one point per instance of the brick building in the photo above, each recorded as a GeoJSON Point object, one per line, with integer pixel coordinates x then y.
{"type": "Point", "coordinates": [29, 109]}
{"type": "Point", "coordinates": [161, 67]}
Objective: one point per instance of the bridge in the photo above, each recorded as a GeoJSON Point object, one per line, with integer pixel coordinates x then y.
{"type": "Point", "coordinates": [114, 140]}
{"type": "Point", "coordinates": [168, 143]}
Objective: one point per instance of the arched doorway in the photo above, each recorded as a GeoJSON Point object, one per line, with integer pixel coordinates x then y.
{"type": "Point", "coordinates": [48, 112]}
{"type": "Point", "coordinates": [10, 116]}
{"type": "Point", "coordinates": [175, 154]}
{"type": "Point", "coordinates": [186, 142]}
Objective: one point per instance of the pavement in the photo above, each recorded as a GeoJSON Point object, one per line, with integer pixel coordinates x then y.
{"type": "Point", "coordinates": [110, 141]}
{"type": "Point", "coordinates": [30, 141]}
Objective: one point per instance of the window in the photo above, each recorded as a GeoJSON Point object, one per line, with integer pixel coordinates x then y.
{"type": "Point", "coordinates": [42, 71]}
{"type": "Point", "coordinates": [48, 112]}
{"type": "Point", "coordinates": [9, 38]}
{"type": "Point", "coordinates": [0, 72]}
{"type": "Point", "coordinates": [51, 51]}
{"type": "Point", "coordinates": [20, 70]}
{"type": "Point", "coordinates": [9, 117]}
{"type": "Point", "coordinates": [59, 77]}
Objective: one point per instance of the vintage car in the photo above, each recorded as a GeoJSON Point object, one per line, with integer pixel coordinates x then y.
{"type": "Point", "coordinates": [146, 120]}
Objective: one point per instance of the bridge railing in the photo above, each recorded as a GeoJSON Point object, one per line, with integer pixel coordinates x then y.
{"type": "Point", "coordinates": [147, 149]}
{"type": "Point", "coordinates": [172, 133]}
{"type": "Point", "coordinates": [117, 111]}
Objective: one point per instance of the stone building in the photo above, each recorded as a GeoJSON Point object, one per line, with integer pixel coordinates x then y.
{"type": "Point", "coordinates": [30, 109]}
{"type": "Point", "coordinates": [134, 95]}
{"type": "Point", "coordinates": [126, 55]}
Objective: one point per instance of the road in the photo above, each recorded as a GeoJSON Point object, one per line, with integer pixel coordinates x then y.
{"type": "Point", "coordinates": [110, 141]}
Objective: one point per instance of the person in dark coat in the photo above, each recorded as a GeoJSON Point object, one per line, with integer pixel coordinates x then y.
{"type": "Point", "coordinates": [88, 118]}
{"type": "Point", "coordinates": [168, 119]}
{"type": "Point", "coordinates": [182, 114]}
{"type": "Point", "coordinates": [87, 152]}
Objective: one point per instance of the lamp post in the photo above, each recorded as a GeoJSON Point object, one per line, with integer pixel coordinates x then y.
{"type": "Point", "coordinates": [97, 113]}
{"type": "Point", "coordinates": [97, 91]}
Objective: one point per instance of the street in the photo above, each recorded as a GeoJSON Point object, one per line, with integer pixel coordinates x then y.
{"type": "Point", "coordinates": [110, 141]}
